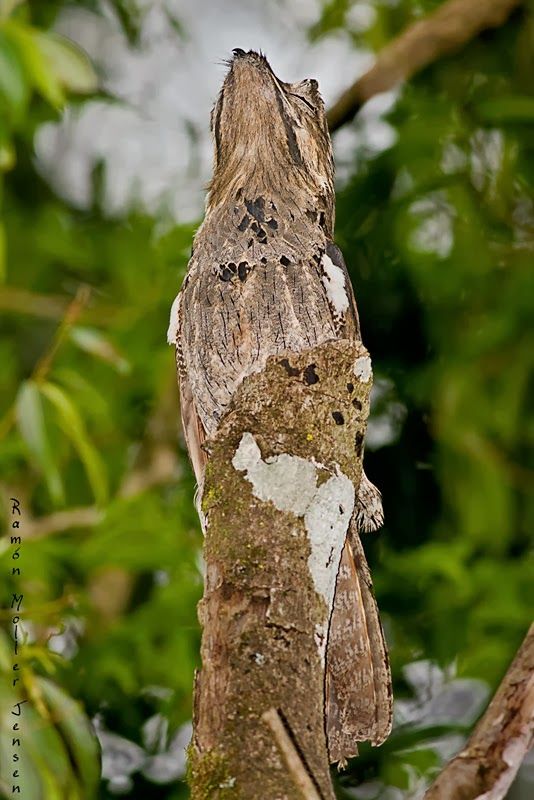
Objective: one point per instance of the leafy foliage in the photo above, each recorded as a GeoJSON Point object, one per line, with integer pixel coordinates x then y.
{"type": "Point", "coordinates": [437, 230]}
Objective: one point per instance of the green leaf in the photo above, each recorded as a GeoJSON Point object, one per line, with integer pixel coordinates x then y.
{"type": "Point", "coordinates": [6, 653]}
{"type": "Point", "coordinates": [31, 424]}
{"type": "Point", "coordinates": [513, 108]}
{"type": "Point", "coordinates": [93, 341]}
{"type": "Point", "coordinates": [3, 260]}
{"type": "Point", "coordinates": [7, 162]}
{"type": "Point", "coordinates": [77, 734]}
{"type": "Point", "coordinates": [8, 6]}
{"type": "Point", "coordinates": [14, 86]}
{"type": "Point", "coordinates": [70, 64]}
{"type": "Point", "coordinates": [37, 65]}
{"type": "Point", "coordinates": [73, 426]}
{"type": "Point", "coordinates": [30, 782]}
{"type": "Point", "coordinates": [45, 772]}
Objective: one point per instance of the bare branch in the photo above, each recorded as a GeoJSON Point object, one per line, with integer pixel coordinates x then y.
{"type": "Point", "coordinates": [163, 468]}
{"type": "Point", "coordinates": [266, 610]}
{"type": "Point", "coordinates": [41, 369]}
{"type": "Point", "coordinates": [60, 521]}
{"type": "Point", "coordinates": [22, 301]}
{"type": "Point", "coordinates": [449, 28]}
{"type": "Point", "coordinates": [294, 763]}
{"type": "Point", "coordinates": [15, 300]}
{"type": "Point", "coordinates": [487, 765]}
{"type": "Point", "coordinates": [72, 312]}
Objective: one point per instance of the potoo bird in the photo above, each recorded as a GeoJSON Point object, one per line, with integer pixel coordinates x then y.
{"type": "Point", "coordinates": [265, 278]}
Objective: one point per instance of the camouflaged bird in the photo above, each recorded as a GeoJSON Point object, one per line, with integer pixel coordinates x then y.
{"type": "Point", "coordinates": [265, 277]}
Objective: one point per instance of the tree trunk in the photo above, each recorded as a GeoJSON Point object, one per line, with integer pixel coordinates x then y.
{"type": "Point", "coordinates": [283, 472]}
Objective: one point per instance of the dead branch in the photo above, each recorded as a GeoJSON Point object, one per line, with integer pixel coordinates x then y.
{"type": "Point", "coordinates": [487, 765]}
{"type": "Point", "coordinates": [60, 521]}
{"type": "Point", "coordinates": [450, 27]}
{"type": "Point", "coordinates": [162, 468]}
{"type": "Point", "coordinates": [277, 463]}
{"type": "Point", "coordinates": [15, 300]}
{"type": "Point", "coordinates": [294, 763]}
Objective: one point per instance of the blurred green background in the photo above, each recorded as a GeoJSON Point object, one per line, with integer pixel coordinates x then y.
{"type": "Point", "coordinates": [435, 216]}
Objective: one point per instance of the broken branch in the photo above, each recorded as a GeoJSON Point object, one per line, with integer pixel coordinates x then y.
{"type": "Point", "coordinates": [487, 765]}
{"type": "Point", "coordinates": [450, 27]}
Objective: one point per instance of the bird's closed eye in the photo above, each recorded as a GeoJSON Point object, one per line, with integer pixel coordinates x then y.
{"type": "Point", "coordinates": [310, 106]}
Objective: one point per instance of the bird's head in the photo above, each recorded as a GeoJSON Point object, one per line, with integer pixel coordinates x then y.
{"type": "Point", "coordinates": [269, 131]}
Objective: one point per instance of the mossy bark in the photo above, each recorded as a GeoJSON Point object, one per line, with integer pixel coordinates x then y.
{"type": "Point", "coordinates": [261, 608]}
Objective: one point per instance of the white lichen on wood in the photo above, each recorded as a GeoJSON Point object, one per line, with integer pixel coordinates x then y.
{"type": "Point", "coordinates": [287, 481]}
{"type": "Point", "coordinates": [290, 483]}
{"type": "Point", "coordinates": [363, 369]}
{"type": "Point", "coordinates": [327, 520]}
{"type": "Point", "coordinates": [334, 283]}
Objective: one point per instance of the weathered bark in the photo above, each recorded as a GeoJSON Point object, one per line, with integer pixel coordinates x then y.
{"type": "Point", "coordinates": [277, 519]}
{"type": "Point", "coordinates": [486, 767]}
{"type": "Point", "coordinates": [450, 27]}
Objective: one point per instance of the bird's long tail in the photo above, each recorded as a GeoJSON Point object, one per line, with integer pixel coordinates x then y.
{"type": "Point", "coordinates": [358, 679]}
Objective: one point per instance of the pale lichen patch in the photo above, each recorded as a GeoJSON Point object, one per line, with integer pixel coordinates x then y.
{"type": "Point", "coordinates": [334, 283]}
{"type": "Point", "coordinates": [363, 369]}
{"type": "Point", "coordinates": [291, 484]}
{"type": "Point", "coordinates": [327, 528]}
{"type": "Point", "coordinates": [288, 482]}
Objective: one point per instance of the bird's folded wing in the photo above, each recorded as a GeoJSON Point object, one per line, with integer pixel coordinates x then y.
{"type": "Point", "coordinates": [358, 680]}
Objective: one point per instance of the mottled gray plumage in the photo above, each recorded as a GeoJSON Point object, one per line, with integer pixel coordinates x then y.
{"type": "Point", "coordinates": [265, 278]}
